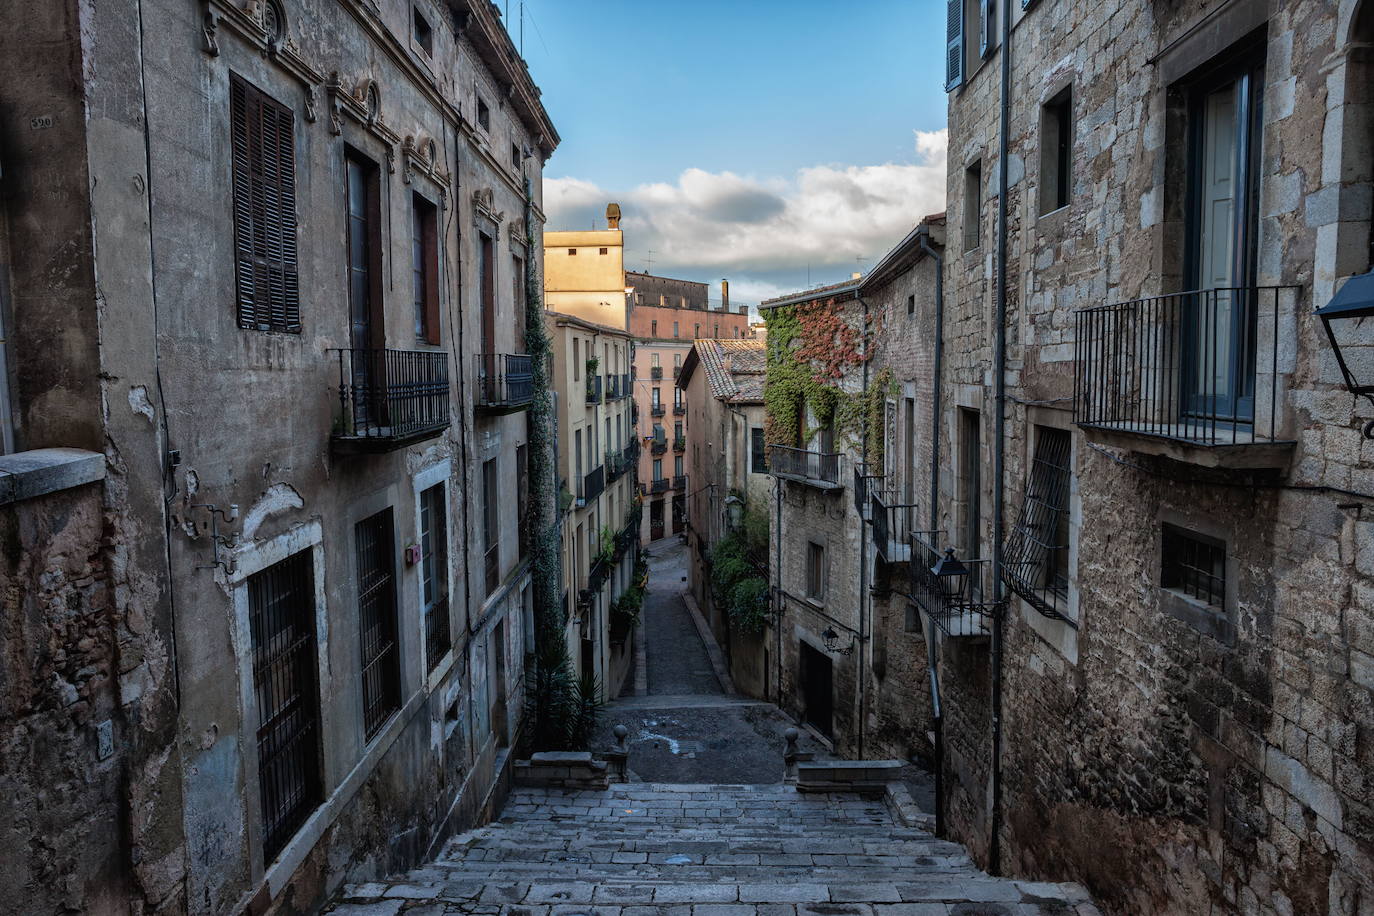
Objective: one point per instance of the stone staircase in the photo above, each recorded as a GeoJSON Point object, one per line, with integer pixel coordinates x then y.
{"type": "Point", "coordinates": [643, 849]}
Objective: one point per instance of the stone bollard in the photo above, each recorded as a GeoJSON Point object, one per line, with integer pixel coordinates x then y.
{"type": "Point", "coordinates": [791, 756]}
{"type": "Point", "coordinates": [619, 756]}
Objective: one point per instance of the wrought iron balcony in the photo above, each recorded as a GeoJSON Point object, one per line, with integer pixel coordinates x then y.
{"type": "Point", "coordinates": [677, 371]}
{"type": "Point", "coordinates": [893, 524]}
{"type": "Point", "coordinates": [613, 387]}
{"type": "Point", "coordinates": [593, 389]}
{"type": "Point", "coordinates": [816, 469]}
{"type": "Point", "coordinates": [632, 452]}
{"type": "Point", "coordinates": [598, 574]}
{"type": "Point", "coordinates": [389, 399]}
{"type": "Point", "coordinates": [658, 447]}
{"type": "Point", "coordinates": [656, 373]}
{"type": "Point", "coordinates": [659, 486]}
{"type": "Point", "coordinates": [680, 483]}
{"type": "Point", "coordinates": [680, 444]}
{"type": "Point", "coordinates": [590, 487]}
{"type": "Point", "coordinates": [865, 485]}
{"type": "Point", "coordinates": [505, 382]}
{"type": "Point", "coordinates": [1192, 376]}
{"type": "Point", "coordinates": [625, 389]}
{"type": "Point", "coordinates": [656, 410]}
{"type": "Point", "coordinates": [616, 465]}
{"type": "Point", "coordinates": [956, 595]}
{"type": "Point", "coordinates": [679, 410]}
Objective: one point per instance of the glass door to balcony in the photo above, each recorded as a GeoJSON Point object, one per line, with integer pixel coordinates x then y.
{"type": "Point", "coordinates": [363, 211]}
{"type": "Point", "coordinates": [1218, 334]}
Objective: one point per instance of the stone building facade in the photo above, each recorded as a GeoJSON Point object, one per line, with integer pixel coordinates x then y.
{"type": "Point", "coordinates": [1150, 648]}
{"type": "Point", "coordinates": [264, 272]}
{"type": "Point", "coordinates": [598, 456]}
{"type": "Point", "coordinates": [728, 468]}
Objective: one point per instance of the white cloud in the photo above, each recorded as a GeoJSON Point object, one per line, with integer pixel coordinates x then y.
{"type": "Point", "coordinates": [731, 224]}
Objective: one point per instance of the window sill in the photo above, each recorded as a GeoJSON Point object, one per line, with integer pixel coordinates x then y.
{"type": "Point", "coordinates": [1207, 619]}
{"type": "Point", "coordinates": [26, 475]}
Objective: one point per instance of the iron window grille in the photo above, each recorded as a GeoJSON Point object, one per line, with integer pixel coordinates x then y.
{"type": "Point", "coordinates": [281, 617]}
{"type": "Point", "coordinates": [434, 574]}
{"type": "Point", "coordinates": [1193, 565]}
{"type": "Point", "coordinates": [377, 621]}
{"type": "Point", "coordinates": [1037, 553]}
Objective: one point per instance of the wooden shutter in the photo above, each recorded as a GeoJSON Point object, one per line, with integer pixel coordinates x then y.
{"type": "Point", "coordinates": [264, 172]}
{"type": "Point", "coordinates": [954, 46]}
{"type": "Point", "coordinates": [985, 14]}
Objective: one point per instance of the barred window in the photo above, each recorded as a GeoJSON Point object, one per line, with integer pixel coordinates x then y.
{"type": "Point", "coordinates": [1193, 565]}
{"type": "Point", "coordinates": [281, 618]}
{"type": "Point", "coordinates": [263, 145]}
{"type": "Point", "coordinates": [377, 621]}
{"type": "Point", "coordinates": [1037, 553]}
{"type": "Point", "coordinates": [434, 573]}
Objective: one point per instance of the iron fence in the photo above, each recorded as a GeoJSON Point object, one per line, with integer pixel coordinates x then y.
{"type": "Point", "coordinates": [1199, 366]}
{"type": "Point", "coordinates": [893, 525]}
{"type": "Point", "coordinates": [592, 484]}
{"type": "Point", "coordinates": [390, 397]}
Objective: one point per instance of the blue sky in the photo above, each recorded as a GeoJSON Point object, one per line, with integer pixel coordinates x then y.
{"type": "Point", "coordinates": [746, 140]}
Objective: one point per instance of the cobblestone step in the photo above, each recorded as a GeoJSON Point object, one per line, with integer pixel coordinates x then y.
{"type": "Point", "coordinates": [648, 850]}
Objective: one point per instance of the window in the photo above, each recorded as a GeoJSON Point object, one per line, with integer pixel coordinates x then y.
{"type": "Point", "coordinates": [715, 331]}
{"type": "Point", "coordinates": [758, 462]}
{"type": "Point", "coordinates": [677, 465]}
{"type": "Point", "coordinates": [483, 115]}
{"type": "Point", "coordinates": [973, 206]}
{"type": "Point", "coordinates": [677, 397]}
{"type": "Point", "coordinates": [515, 157]}
{"type": "Point", "coordinates": [696, 331]}
{"type": "Point", "coordinates": [572, 252]}
{"type": "Point", "coordinates": [987, 27]}
{"type": "Point", "coordinates": [518, 296]}
{"type": "Point", "coordinates": [656, 395]}
{"type": "Point", "coordinates": [281, 618]}
{"type": "Point", "coordinates": [970, 484]}
{"type": "Point", "coordinates": [422, 32]}
{"type": "Point", "coordinates": [1037, 566]}
{"type": "Point", "coordinates": [911, 304]}
{"type": "Point", "coordinates": [522, 495]}
{"type": "Point", "coordinates": [577, 360]}
{"type": "Point", "coordinates": [653, 328]}
{"type": "Point", "coordinates": [434, 573]}
{"type": "Point", "coordinates": [424, 269]}
{"type": "Point", "coordinates": [604, 251]}
{"type": "Point", "coordinates": [653, 360]}
{"type": "Point", "coordinates": [1193, 565]}
{"type": "Point", "coordinates": [677, 362]}
{"type": "Point", "coordinates": [377, 621]}
{"type": "Point", "coordinates": [491, 524]}
{"type": "Point", "coordinates": [364, 256]}
{"type": "Point", "coordinates": [264, 179]}
{"type": "Point", "coordinates": [658, 469]}
{"type": "Point", "coordinates": [677, 430]}
{"type": "Point", "coordinates": [675, 334]}
{"type": "Point", "coordinates": [815, 571]}
{"type": "Point", "coordinates": [1056, 151]}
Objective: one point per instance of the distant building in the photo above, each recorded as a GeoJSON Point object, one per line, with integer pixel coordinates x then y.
{"type": "Point", "coordinates": [584, 273]}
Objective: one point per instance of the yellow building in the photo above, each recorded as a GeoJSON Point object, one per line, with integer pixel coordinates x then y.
{"type": "Point", "coordinates": [584, 273]}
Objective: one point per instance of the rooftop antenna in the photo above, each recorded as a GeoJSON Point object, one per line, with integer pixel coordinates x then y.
{"type": "Point", "coordinates": [522, 28]}
{"type": "Point", "coordinates": [860, 261]}
{"type": "Point", "coordinates": [650, 268]}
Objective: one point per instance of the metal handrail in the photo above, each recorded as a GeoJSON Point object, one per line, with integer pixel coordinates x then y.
{"type": "Point", "coordinates": [392, 395]}
{"type": "Point", "coordinates": [807, 465]}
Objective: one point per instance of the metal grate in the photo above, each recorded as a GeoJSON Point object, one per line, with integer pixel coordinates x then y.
{"type": "Point", "coordinates": [434, 573]}
{"type": "Point", "coordinates": [377, 621]}
{"type": "Point", "coordinates": [281, 615]}
{"type": "Point", "coordinates": [1037, 552]}
{"type": "Point", "coordinates": [1194, 565]}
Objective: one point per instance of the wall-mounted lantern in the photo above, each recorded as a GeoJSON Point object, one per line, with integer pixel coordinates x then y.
{"type": "Point", "coordinates": [832, 642]}
{"type": "Point", "coordinates": [1345, 313]}
{"type": "Point", "coordinates": [952, 577]}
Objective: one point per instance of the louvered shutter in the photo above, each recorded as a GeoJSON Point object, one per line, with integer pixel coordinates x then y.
{"type": "Point", "coordinates": [264, 171]}
{"type": "Point", "coordinates": [954, 48]}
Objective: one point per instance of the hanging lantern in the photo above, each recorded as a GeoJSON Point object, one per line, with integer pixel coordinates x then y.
{"type": "Point", "coordinates": [951, 577]}
{"type": "Point", "coordinates": [1346, 312]}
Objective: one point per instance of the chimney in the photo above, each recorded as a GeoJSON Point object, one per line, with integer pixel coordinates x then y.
{"type": "Point", "coordinates": [725, 295]}
{"type": "Point", "coordinates": [613, 216]}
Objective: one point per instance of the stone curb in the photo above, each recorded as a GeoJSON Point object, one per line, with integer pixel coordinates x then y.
{"type": "Point", "coordinates": [712, 647]}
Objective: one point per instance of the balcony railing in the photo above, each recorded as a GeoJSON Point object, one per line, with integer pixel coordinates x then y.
{"type": "Point", "coordinates": [819, 469]}
{"type": "Point", "coordinates": [632, 452]}
{"type": "Point", "coordinates": [505, 382]}
{"type": "Point", "coordinates": [1192, 370]}
{"type": "Point", "coordinates": [616, 465]}
{"type": "Point", "coordinates": [656, 373]}
{"type": "Point", "coordinates": [598, 575]}
{"type": "Point", "coordinates": [659, 486]}
{"type": "Point", "coordinates": [593, 389]}
{"type": "Point", "coordinates": [625, 389]}
{"type": "Point", "coordinates": [590, 487]}
{"type": "Point", "coordinates": [677, 371]}
{"type": "Point", "coordinates": [680, 444]}
{"type": "Point", "coordinates": [612, 387]}
{"type": "Point", "coordinates": [959, 604]}
{"type": "Point", "coordinates": [390, 398]}
{"type": "Point", "coordinates": [894, 523]}
{"type": "Point", "coordinates": [680, 483]}
{"type": "Point", "coordinates": [656, 410]}
{"type": "Point", "coordinates": [658, 447]}
{"type": "Point", "coordinates": [679, 410]}
{"type": "Point", "coordinates": [865, 485]}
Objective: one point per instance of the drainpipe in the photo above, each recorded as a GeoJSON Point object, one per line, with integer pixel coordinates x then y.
{"type": "Point", "coordinates": [932, 656]}
{"type": "Point", "coordinates": [999, 445]}
{"type": "Point", "coordinates": [865, 601]}
{"type": "Point", "coordinates": [782, 603]}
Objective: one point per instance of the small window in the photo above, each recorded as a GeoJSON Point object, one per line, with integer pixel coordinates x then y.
{"type": "Point", "coordinates": [605, 251]}
{"type": "Point", "coordinates": [515, 157]}
{"type": "Point", "coordinates": [757, 462]}
{"type": "Point", "coordinates": [572, 252]}
{"type": "Point", "coordinates": [815, 571]}
{"type": "Point", "coordinates": [424, 268]}
{"type": "Point", "coordinates": [422, 32]}
{"type": "Point", "coordinates": [483, 115]}
{"type": "Point", "coordinates": [1056, 151]}
{"type": "Point", "coordinates": [653, 328]}
{"type": "Point", "coordinates": [987, 27]}
{"type": "Point", "coordinates": [911, 305]}
{"type": "Point", "coordinates": [658, 469]}
{"type": "Point", "coordinates": [434, 573]}
{"type": "Point", "coordinates": [1193, 565]}
{"type": "Point", "coordinates": [675, 334]}
{"type": "Point", "coordinates": [1037, 566]}
{"type": "Point", "coordinates": [973, 206]}
{"type": "Point", "coordinates": [653, 360]}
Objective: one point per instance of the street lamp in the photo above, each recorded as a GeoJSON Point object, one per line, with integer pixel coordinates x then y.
{"type": "Point", "coordinates": [1354, 302]}
{"type": "Point", "coordinates": [951, 577]}
{"type": "Point", "coordinates": [832, 642]}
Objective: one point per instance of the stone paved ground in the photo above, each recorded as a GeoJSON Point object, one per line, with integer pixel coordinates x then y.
{"type": "Point", "coordinates": [644, 849]}
{"type": "Point", "coordinates": [678, 663]}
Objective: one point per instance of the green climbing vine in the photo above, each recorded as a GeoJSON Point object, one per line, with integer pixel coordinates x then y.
{"type": "Point", "coordinates": [811, 347]}
{"type": "Point", "coordinates": [561, 709]}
